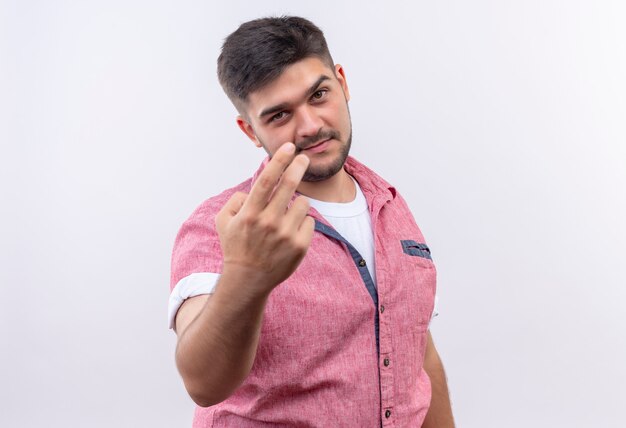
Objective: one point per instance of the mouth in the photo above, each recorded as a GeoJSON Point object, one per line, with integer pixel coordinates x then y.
{"type": "Point", "coordinates": [317, 147]}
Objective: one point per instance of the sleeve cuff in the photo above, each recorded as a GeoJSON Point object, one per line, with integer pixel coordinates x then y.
{"type": "Point", "coordinates": [190, 286]}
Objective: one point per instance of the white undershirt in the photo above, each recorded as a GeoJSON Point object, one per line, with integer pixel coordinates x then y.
{"type": "Point", "coordinates": [352, 221]}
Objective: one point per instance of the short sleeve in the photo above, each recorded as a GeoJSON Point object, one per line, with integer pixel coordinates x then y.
{"type": "Point", "coordinates": [196, 259]}
{"type": "Point", "coordinates": [197, 247]}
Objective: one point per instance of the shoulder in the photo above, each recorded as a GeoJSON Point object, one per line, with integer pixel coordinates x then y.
{"type": "Point", "coordinates": [370, 182]}
{"type": "Point", "coordinates": [377, 190]}
{"type": "Point", "coordinates": [200, 225]}
{"type": "Point", "coordinates": [209, 208]}
{"type": "Point", "coordinates": [197, 245]}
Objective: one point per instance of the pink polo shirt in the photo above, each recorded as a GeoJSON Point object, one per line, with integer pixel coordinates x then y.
{"type": "Point", "coordinates": [335, 350]}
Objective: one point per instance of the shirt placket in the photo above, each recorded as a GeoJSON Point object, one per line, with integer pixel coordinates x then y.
{"type": "Point", "coordinates": [385, 310]}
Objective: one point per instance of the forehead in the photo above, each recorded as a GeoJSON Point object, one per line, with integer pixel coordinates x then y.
{"type": "Point", "coordinates": [290, 86]}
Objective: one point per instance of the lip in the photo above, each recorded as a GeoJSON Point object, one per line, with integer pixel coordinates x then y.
{"type": "Point", "coordinates": [318, 147]}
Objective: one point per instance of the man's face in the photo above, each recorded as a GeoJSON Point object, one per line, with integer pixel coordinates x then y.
{"type": "Point", "coordinates": [307, 105]}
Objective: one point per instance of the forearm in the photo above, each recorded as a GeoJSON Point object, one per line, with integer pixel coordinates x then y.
{"type": "Point", "coordinates": [216, 351]}
{"type": "Point", "coordinates": [440, 411]}
{"type": "Point", "coordinates": [263, 240]}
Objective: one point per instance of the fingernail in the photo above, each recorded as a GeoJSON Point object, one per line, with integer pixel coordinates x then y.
{"type": "Point", "coordinates": [288, 147]}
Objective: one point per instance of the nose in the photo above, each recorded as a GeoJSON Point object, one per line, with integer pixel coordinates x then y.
{"type": "Point", "coordinates": [308, 122]}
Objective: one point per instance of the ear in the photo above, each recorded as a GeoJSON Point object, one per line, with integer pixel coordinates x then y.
{"type": "Point", "coordinates": [341, 76]}
{"type": "Point", "coordinates": [247, 129]}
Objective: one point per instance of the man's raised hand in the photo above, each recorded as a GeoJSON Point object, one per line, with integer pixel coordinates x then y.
{"type": "Point", "coordinates": [263, 240]}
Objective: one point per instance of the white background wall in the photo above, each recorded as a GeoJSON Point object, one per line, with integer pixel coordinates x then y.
{"type": "Point", "coordinates": [501, 122]}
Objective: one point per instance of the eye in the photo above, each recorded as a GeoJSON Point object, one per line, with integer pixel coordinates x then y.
{"type": "Point", "coordinates": [278, 116]}
{"type": "Point", "coordinates": [319, 94]}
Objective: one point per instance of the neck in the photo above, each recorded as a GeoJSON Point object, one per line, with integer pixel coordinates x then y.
{"type": "Point", "coordinates": [338, 188]}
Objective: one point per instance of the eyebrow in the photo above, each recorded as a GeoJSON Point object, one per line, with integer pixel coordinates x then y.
{"type": "Point", "coordinates": [282, 106]}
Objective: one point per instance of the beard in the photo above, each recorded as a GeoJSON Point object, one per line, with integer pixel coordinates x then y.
{"type": "Point", "coordinates": [321, 173]}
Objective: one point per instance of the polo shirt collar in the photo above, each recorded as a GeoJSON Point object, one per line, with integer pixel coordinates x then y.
{"type": "Point", "coordinates": [371, 183]}
{"type": "Point", "coordinates": [376, 190]}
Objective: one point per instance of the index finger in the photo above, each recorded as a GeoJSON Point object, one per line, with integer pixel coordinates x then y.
{"type": "Point", "coordinates": [268, 179]}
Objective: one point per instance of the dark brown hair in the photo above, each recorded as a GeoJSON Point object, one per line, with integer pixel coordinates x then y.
{"type": "Point", "coordinates": [259, 51]}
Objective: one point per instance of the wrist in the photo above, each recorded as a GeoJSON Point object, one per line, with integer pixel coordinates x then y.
{"type": "Point", "coordinates": [244, 282]}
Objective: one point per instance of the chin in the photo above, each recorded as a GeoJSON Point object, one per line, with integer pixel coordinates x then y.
{"type": "Point", "coordinates": [321, 173]}
{"type": "Point", "coordinates": [329, 168]}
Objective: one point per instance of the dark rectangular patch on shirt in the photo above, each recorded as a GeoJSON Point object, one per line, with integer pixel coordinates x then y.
{"type": "Point", "coordinates": [413, 248]}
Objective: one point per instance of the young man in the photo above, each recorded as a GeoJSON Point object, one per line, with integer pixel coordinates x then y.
{"type": "Point", "coordinates": [303, 296]}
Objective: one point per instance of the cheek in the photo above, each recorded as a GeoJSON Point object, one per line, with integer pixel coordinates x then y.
{"type": "Point", "coordinates": [341, 109]}
{"type": "Point", "coordinates": [343, 118]}
{"type": "Point", "coordinates": [274, 139]}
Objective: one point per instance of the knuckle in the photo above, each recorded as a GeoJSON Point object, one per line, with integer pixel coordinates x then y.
{"type": "Point", "coordinates": [288, 234]}
{"type": "Point", "coordinates": [265, 182]}
{"type": "Point", "coordinates": [282, 236]}
{"type": "Point", "coordinates": [268, 224]}
{"type": "Point", "coordinates": [248, 220]}
{"type": "Point", "coordinates": [290, 182]}
{"type": "Point", "coordinates": [233, 203]}
{"type": "Point", "coordinates": [301, 247]}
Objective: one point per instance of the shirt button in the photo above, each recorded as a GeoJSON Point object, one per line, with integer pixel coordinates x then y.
{"type": "Point", "coordinates": [382, 309]}
{"type": "Point", "coordinates": [386, 362]}
{"type": "Point", "coordinates": [362, 263]}
{"type": "Point", "coordinates": [387, 413]}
